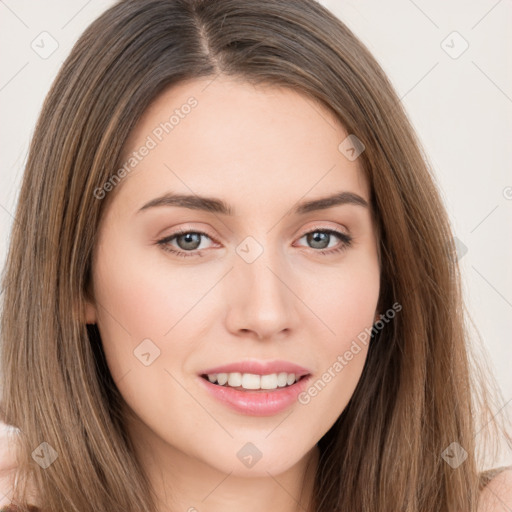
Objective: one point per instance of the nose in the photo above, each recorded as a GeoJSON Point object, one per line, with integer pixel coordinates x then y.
{"type": "Point", "coordinates": [262, 297]}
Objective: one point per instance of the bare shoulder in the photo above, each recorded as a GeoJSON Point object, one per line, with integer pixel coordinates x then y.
{"type": "Point", "coordinates": [9, 442]}
{"type": "Point", "coordinates": [497, 494]}
{"type": "Point", "coordinates": [7, 463]}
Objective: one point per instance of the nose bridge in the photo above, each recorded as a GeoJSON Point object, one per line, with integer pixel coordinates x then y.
{"type": "Point", "coordinates": [262, 301]}
{"type": "Point", "coordinates": [257, 264]}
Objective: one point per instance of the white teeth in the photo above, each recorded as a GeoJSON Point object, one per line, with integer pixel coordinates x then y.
{"type": "Point", "coordinates": [281, 379]}
{"type": "Point", "coordinates": [222, 378]}
{"type": "Point", "coordinates": [253, 381]}
{"type": "Point", "coordinates": [269, 381]}
{"type": "Point", "coordinates": [234, 379]}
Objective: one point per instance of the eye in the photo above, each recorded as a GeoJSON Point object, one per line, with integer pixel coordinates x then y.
{"type": "Point", "coordinates": [190, 241]}
{"type": "Point", "coordinates": [320, 239]}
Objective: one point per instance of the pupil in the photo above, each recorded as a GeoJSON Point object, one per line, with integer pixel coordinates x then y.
{"type": "Point", "coordinates": [189, 239]}
{"type": "Point", "coordinates": [316, 237]}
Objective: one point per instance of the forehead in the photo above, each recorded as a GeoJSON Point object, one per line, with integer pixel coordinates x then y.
{"type": "Point", "coordinates": [228, 138]}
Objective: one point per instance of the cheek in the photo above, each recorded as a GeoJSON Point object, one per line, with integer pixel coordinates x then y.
{"type": "Point", "coordinates": [138, 288]}
{"type": "Point", "coordinates": [346, 304]}
{"type": "Point", "coordinates": [142, 320]}
{"type": "Point", "coordinates": [345, 300]}
{"type": "Point", "coordinates": [140, 299]}
{"type": "Point", "coordinates": [149, 306]}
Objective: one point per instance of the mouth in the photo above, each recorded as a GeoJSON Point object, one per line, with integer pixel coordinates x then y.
{"type": "Point", "coordinates": [256, 387]}
{"type": "Point", "coordinates": [253, 394]}
{"type": "Point", "coordinates": [254, 382]}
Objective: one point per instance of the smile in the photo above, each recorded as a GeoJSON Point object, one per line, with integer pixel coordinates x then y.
{"type": "Point", "coordinates": [256, 401]}
{"type": "Point", "coordinates": [253, 381]}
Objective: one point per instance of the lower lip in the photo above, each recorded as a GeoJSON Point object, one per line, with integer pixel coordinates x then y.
{"type": "Point", "coordinates": [257, 403]}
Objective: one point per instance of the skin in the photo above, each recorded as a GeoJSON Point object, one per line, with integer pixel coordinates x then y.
{"type": "Point", "coordinates": [260, 149]}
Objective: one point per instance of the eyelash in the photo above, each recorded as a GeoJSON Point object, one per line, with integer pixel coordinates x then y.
{"type": "Point", "coordinates": [164, 242]}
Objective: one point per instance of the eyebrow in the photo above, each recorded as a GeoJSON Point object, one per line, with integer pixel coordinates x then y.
{"type": "Point", "coordinates": [215, 205]}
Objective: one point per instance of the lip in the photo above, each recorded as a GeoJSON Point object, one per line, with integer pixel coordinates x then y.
{"type": "Point", "coordinates": [257, 403]}
{"type": "Point", "coordinates": [259, 368]}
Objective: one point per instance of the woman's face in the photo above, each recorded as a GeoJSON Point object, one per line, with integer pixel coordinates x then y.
{"type": "Point", "coordinates": [267, 282]}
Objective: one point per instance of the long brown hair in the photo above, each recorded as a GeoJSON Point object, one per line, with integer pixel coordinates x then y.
{"type": "Point", "coordinates": [418, 392]}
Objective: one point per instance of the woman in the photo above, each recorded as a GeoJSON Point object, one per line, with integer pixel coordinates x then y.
{"type": "Point", "coordinates": [307, 351]}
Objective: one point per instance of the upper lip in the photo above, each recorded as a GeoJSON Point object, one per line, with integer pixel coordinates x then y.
{"type": "Point", "coordinates": [259, 368]}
